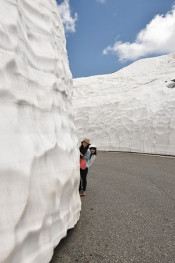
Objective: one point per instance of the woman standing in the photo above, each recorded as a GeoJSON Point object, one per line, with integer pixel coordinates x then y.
{"type": "Point", "coordinates": [84, 154]}
{"type": "Point", "coordinates": [93, 150]}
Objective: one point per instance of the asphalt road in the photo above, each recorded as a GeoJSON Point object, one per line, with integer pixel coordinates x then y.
{"type": "Point", "coordinates": [128, 214]}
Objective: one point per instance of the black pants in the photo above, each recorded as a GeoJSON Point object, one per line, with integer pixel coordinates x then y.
{"type": "Point", "coordinates": [83, 180]}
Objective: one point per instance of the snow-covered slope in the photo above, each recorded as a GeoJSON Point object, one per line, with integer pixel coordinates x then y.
{"type": "Point", "coordinates": [129, 110]}
{"type": "Point", "coordinates": [39, 157]}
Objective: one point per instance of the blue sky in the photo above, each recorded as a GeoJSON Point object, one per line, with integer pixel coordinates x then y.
{"type": "Point", "coordinates": [104, 36]}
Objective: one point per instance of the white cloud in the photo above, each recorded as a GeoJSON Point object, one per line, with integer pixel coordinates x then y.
{"type": "Point", "coordinates": [65, 13]}
{"type": "Point", "coordinates": [101, 1]}
{"type": "Point", "coordinates": [158, 37]}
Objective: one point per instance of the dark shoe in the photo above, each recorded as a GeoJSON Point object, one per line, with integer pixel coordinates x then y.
{"type": "Point", "coordinates": [81, 193]}
{"type": "Point", "coordinates": [84, 193]}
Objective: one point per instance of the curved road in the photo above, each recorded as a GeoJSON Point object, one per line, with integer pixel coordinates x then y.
{"type": "Point", "coordinates": [128, 214]}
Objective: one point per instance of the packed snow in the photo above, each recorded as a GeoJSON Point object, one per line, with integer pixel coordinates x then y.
{"type": "Point", "coordinates": [130, 110]}
{"type": "Point", "coordinates": [39, 164]}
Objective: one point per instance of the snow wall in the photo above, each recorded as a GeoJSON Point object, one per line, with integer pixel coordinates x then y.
{"type": "Point", "coordinates": [130, 110]}
{"type": "Point", "coordinates": [39, 164]}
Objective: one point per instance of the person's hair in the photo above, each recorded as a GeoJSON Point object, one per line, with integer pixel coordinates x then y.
{"type": "Point", "coordinates": [95, 153]}
{"type": "Point", "coordinates": [83, 149]}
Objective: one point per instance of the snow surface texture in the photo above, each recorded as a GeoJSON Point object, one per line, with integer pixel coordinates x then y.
{"type": "Point", "coordinates": [39, 164]}
{"type": "Point", "coordinates": [129, 110]}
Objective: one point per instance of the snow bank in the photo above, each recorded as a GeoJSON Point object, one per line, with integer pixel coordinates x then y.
{"type": "Point", "coordinates": [39, 164]}
{"type": "Point", "coordinates": [129, 110]}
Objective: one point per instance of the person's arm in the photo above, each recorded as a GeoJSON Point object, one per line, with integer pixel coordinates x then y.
{"type": "Point", "coordinates": [87, 155]}
{"type": "Point", "coordinates": [92, 160]}
{"type": "Point", "coordinates": [82, 155]}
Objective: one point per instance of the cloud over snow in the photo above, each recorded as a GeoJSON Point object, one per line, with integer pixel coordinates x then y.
{"type": "Point", "coordinates": [65, 13]}
{"type": "Point", "coordinates": [158, 37]}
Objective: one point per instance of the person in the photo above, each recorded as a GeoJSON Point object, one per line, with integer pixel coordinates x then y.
{"type": "Point", "coordinates": [84, 154]}
{"type": "Point", "coordinates": [93, 150]}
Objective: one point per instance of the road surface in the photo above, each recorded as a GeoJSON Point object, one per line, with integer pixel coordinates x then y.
{"type": "Point", "coordinates": [128, 214]}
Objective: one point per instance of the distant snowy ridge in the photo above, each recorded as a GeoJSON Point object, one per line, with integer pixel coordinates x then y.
{"type": "Point", "coordinates": [39, 157]}
{"type": "Point", "coordinates": [130, 110]}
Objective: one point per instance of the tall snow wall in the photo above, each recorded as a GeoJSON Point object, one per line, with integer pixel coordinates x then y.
{"type": "Point", "coordinates": [39, 159]}
{"type": "Point", "coordinates": [130, 110]}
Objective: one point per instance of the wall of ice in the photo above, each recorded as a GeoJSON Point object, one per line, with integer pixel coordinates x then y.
{"type": "Point", "coordinates": [129, 110]}
{"type": "Point", "coordinates": [39, 164]}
